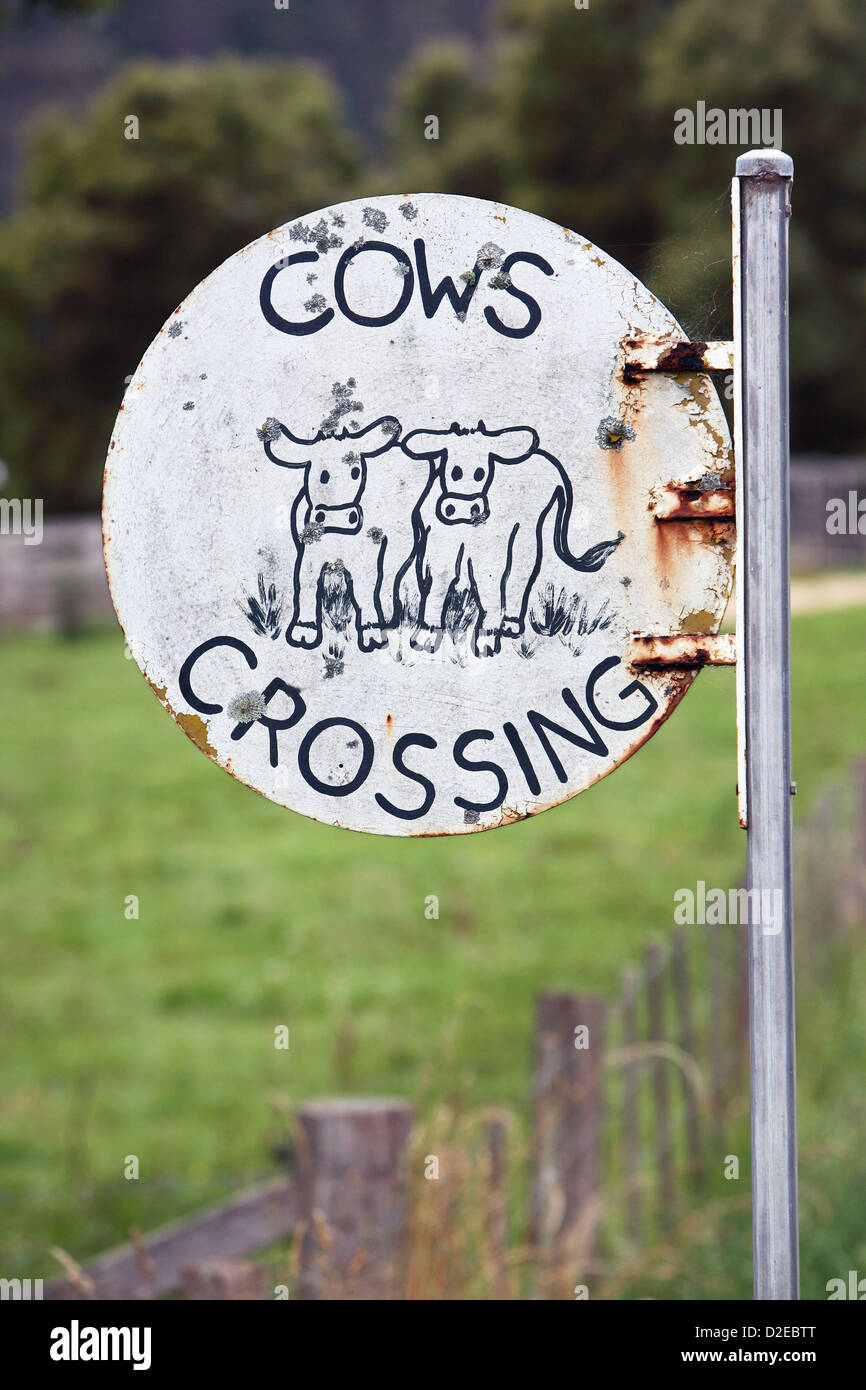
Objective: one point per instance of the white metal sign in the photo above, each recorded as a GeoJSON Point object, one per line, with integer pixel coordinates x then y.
{"type": "Point", "coordinates": [383, 510]}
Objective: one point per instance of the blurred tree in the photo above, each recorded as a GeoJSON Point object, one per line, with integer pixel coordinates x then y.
{"type": "Point", "coordinates": [555, 122]}
{"type": "Point", "coordinates": [574, 116]}
{"type": "Point", "coordinates": [806, 60]}
{"type": "Point", "coordinates": [19, 11]}
{"type": "Point", "coordinates": [464, 152]}
{"type": "Point", "coordinates": [113, 232]}
{"type": "Point", "coordinates": [580, 137]}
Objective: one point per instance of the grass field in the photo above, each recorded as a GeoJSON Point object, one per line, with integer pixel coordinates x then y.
{"type": "Point", "coordinates": [155, 1036]}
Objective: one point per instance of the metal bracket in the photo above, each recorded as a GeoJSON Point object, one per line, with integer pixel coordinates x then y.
{"type": "Point", "coordinates": [702, 499]}
{"type": "Point", "coordinates": [684, 651]}
{"type": "Point", "coordinates": [654, 354]}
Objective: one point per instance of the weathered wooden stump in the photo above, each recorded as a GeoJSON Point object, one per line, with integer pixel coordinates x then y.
{"type": "Point", "coordinates": [352, 1183]}
{"type": "Point", "coordinates": [233, 1280]}
{"type": "Point", "coordinates": [567, 1111]}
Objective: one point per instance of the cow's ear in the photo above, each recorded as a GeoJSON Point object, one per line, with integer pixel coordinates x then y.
{"type": "Point", "coordinates": [513, 445]}
{"type": "Point", "coordinates": [425, 444]}
{"type": "Point", "coordinates": [378, 436]}
{"type": "Point", "coordinates": [282, 447]}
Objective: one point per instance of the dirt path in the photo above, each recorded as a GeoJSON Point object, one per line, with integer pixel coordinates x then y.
{"type": "Point", "coordinates": [828, 591]}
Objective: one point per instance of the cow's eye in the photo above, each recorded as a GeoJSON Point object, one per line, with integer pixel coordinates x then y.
{"type": "Point", "coordinates": [457, 473]}
{"type": "Point", "coordinates": [325, 476]}
{"type": "Point", "coordinates": [356, 472]}
{"type": "Point", "coordinates": [478, 475]}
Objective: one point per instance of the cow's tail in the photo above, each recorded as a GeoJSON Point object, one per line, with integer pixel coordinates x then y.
{"type": "Point", "coordinates": [597, 555]}
{"type": "Point", "coordinates": [592, 559]}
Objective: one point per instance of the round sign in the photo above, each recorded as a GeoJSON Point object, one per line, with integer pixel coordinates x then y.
{"type": "Point", "coordinates": [383, 510]}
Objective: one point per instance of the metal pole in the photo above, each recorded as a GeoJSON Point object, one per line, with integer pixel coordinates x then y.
{"type": "Point", "coordinates": [762, 197]}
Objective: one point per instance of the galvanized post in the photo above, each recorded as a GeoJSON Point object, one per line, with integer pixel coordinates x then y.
{"type": "Point", "coordinates": [762, 207]}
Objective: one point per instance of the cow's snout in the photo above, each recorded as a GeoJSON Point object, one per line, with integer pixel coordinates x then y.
{"type": "Point", "coordinates": [345, 520]}
{"type": "Point", "coordinates": [452, 508]}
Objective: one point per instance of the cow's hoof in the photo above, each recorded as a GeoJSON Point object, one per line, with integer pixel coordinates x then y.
{"type": "Point", "coordinates": [426, 639]}
{"type": "Point", "coordinates": [371, 636]}
{"type": "Point", "coordinates": [487, 643]}
{"type": "Point", "coordinates": [512, 627]}
{"type": "Point", "coordinates": [303, 635]}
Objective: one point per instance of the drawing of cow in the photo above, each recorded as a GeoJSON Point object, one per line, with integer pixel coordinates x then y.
{"type": "Point", "coordinates": [350, 515]}
{"type": "Point", "coordinates": [483, 518]}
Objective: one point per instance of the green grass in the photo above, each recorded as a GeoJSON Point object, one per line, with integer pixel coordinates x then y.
{"type": "Point", "coordinates": [154, 1036]}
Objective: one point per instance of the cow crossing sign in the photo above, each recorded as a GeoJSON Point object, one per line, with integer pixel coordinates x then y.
{"type": "Point", "coordinates": [384, 510]}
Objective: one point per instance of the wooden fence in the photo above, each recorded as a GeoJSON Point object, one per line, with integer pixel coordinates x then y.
{"type": "Point", "coordinates": [633, 1105]}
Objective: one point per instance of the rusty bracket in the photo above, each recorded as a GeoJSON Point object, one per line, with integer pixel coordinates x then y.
{"type": "Point", "coordinates": [684, 651]}
{"type": "Point", "coordinates": [706, 498]}
{"type": "Point", "coordinates": [654, 354]}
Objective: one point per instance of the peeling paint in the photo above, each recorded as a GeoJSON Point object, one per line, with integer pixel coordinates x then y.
{"type": "Point", "coordinates": [196, 729]}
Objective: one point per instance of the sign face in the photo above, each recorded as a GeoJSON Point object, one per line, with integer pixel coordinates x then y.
{"type": "Point", "coordinates": [382, 511]}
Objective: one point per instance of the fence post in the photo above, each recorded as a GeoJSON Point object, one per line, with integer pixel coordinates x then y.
{"type": "Point", "coordinates": [496, 1224]}
{"type": "Point", "coordinates": [859, 779]}
{"type": "Point", "coordinates": [631, 1107]}
{"type": "Point", "coordinates": [352, 1181]}
{"type": "Point", "coordinates": [661, 1091]}
{"type": "Point", "coordinates": [682, 982]}
{"type": "Point", "coordinates": [568, 1065]}
{"type": "Point", "coordinates": [224, 1281]}
{"type": "Point", "coordinates": [717, 1035]}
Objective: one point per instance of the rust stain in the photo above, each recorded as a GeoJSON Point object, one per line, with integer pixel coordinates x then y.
{"type": "Point", "coordinates": [667, 539]}
{"type": "Point", "coordinates": [684, 357]}
{"type": "Point", "coordinates": [192, 724]}
{"type": "Point", "coordinates": [620, 479]}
